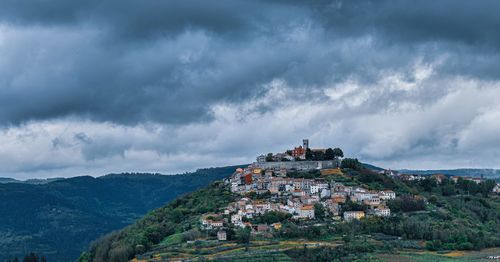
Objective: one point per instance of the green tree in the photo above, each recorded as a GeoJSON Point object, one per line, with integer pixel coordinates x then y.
{"type": "Point", "coordinates": [337, 152]}
{"type": "Point", "coordinates": [329, 154]}
{"type": "Point", "coordinates": [242, 235]}
{"type": "Point", "coordinates": [309, 154]}
{"type": "Point", "coordinates": [352, 163]}
{"type": "Point", "coordinates": [30, 258]}
{"type": "Point", "coordinates": [319, 211]}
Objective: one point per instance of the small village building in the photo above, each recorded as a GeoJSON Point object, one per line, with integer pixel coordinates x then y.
{"type": "Point", "coordinates": [496, 189]}
{"type": "Point", "coordinates": [298, 193]}
{"type": "Point", "coordinates": [374, 201]}
{"type": "Point", "coordinates": [351, 215]}
{"type": "Point", "coordinates": [261, 159]}
{"type": "Point", "coordinates": [307, 211]}
{"type": "Point", "coordinates": [324, 193]}
{"type": "Point", "coordinates": [236, 219]}
{"type": "Point", "coordinates": [382, 212]}
{"type": "Point", "coordinates": [276, 226]}
{"type": "Point", "coordinates": [221, 235]}
{"type": "Point", "coordinates": [387, 194]}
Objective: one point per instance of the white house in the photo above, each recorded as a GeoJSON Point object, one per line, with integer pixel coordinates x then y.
{"type": "Point", "coordinates": [382, 212]}
{"type": "Point", "coordinates": [350, 215]}
{"type": "Point", "coordinates": [235, 219]}
{"type": "Point", "coordinates": [387, 194]}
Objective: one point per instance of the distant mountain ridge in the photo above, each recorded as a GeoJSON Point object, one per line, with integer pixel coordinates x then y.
{"type": "Point", "coordinates": [472, 172]}
{"type": "Point", "coordinates": [59, 219]}
{"type": "Point", "coordinates": [33, 181]}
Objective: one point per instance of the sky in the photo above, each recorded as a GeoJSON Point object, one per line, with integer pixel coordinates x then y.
{"type": "Point", "coordinates": [93, 87]}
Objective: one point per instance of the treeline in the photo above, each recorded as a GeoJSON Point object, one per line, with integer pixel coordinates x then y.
{"type": "Point", "coordinates": [328, 154]}
{"type": "Point", "coordinates": [447, 187]}
{"type": "Point", "coordinates": [31, 257]}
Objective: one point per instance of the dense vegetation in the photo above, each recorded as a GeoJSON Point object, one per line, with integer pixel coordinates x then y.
{"type": "Point", "coordinates": [181, 215]}
{"type": "Point", "coordinates": [59, 219]}
{"type": "Point", "coordinates": [31, 257]}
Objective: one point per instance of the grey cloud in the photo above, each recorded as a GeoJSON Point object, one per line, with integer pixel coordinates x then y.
{"type": "Point", "coordinates": [169, 62]}
{"type": "Point", "coordinates": [130, 64]}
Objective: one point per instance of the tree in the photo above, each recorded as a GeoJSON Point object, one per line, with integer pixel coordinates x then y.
{"type": "Point", "coordinates": [487, 186]}
{"type": "Point", "coordinates": [242, 235]}
{"type": "Point", "coordinates": [329, 154]}
{"type": "Point", "coordinates": [351, 163]}
{"type": "Point", "coordinates": [269, 157]}
{"type": "Point", "coordinates": [428, 183]}
{"type": "Point", "coordinates": [337, 152]}
{"type": "Point", "coordinates": [319, 211]}
{"type": "Point", "coordinates": [30, 258]}
{"type": "Point", "coordinates": [309, 154]}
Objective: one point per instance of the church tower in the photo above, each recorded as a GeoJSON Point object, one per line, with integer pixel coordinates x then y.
{"type": "Point", "coordinates": [305, 144]}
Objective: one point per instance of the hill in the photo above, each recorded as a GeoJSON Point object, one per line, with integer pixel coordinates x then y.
{"type": "Point", "coordinates": [59, 219]}
{"type": "Point", "coordinates": [4, 180]}
{"type": "Point", "coordinates": [427, 215]}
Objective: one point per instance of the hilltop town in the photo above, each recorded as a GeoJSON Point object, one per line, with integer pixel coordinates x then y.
{"type": "Point", "coordinates": [308, 203]}
{"type": "Point", "coordinates": [300, 185]}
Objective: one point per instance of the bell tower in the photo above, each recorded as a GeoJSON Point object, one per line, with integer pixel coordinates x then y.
{"type": "Point", "coordinates": [305, 144]}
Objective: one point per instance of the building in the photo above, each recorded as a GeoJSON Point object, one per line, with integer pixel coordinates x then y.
{"type": "Point", "coordinates": [299, 152]}
{"type": "Point", "coordinates": [236, 219]}
{"type": "Point", "coordinates": [261, 159]}
{"type": "Point", "coordinates": [307, 211]}
{"type": "Point", "coordinates": [496, 189]}
{"type": "Point", "coordinates": [382, 212]}
{"type": "Point", "coordinates": [387, 194]}
{"type": "Point", "coordinates": [351, 215]}
{"type": "Point", "coordinates": [221, 235]}
{"type": "Point", "coordinates": [211, 224]}
{"type": "Point", "coordinates": [305, 144]}
{"type": "Point", "coordinates": [374, 201]}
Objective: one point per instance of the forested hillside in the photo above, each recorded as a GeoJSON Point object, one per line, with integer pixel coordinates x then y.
{"type": "Point", "coordinates": [60, 219]}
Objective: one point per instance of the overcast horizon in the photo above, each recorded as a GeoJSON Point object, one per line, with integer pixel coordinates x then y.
{"type": "Point", "coordinates": [92, 87]}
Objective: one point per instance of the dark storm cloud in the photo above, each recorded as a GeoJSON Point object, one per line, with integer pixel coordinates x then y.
{"type": "Point", "coordinates": [169, 61]}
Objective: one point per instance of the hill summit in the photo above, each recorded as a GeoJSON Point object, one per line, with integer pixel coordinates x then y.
{"type": "Point", "coordinates": [283, 210]}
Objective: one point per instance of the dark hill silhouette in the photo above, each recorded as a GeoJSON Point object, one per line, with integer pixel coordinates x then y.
{"type": "Point", "coordinates": [59, 219]}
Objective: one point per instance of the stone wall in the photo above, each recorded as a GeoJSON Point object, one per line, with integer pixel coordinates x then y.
{"type": "Point", "coordinates": [299, 165]}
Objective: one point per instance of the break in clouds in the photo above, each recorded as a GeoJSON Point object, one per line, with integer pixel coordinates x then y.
{"type": "Point", "coordinates": [92, 87]}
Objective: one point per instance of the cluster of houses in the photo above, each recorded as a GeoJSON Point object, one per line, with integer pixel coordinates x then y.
{"type": "Point", "coordinates": [294, 196]}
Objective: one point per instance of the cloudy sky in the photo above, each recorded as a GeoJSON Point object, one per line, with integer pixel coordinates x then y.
{"type": "Point", "coordinates": [91, 87]}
